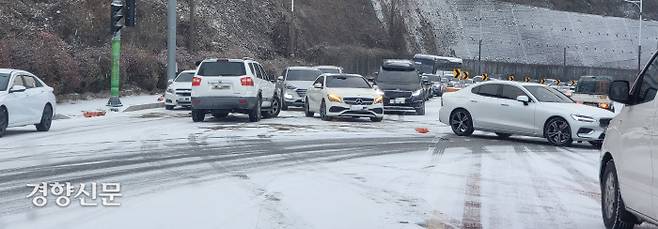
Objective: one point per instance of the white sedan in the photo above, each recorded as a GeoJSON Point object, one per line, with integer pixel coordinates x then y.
{"type": "Point", "coordinates": [179, 91]}
{"type": "Point", "coordinates": [344, 95]}
{"type": "Point", "coordinates": [530, 109]}
{"type": "Point", "coordinates": [25, 100]}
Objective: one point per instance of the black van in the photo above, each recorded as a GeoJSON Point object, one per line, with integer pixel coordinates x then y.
{"type": "Point", "coordinates": [402, 86]}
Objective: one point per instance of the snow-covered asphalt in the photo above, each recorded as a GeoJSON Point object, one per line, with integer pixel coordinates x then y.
{"type": "Point", "coordinates": [297, 172]}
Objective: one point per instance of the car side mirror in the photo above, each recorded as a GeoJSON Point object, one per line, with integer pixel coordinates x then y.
{"type": "Point", "coordinates": [280, 78]}
{"type": "Point", "coordinates": [620, 91]}
{"type": "Point", "coordinates": [17, 88]}
{"type": "Point", "coordinates": [524, 99]}
{"type": "Point", "coordinates": [317, 85]}
{"type": "Point", "coordinates": [169, 82]}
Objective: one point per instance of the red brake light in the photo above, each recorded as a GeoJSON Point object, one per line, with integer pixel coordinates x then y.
{"type": "Point", "coordinates": [196, 81]}
{"type": "Point", "coordinates": [247, 82]}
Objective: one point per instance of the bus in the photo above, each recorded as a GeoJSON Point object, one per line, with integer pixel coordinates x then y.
{"type": "Point", "coordinates": [437, 65]}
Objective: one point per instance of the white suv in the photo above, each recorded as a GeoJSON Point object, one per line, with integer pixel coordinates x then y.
{"type": "Point", "coordinates": [629, 158]}
{"type": "Point", "coordinates": [223, 86]}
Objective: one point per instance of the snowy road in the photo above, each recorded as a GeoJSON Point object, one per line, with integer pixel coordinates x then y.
{"type": "Point", "coordinates": [297, 172]}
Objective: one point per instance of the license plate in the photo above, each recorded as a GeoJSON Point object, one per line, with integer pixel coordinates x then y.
{"type": "Point", "coordinates": [400, 100]}
{"type": "Point", "coordinates": [184, 99]}
{"type": "Point", "coordinates": [357, 108]}
{"type": "Point", "coordinates": [221, 87]}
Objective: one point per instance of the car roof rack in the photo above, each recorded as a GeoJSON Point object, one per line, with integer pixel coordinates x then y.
{"type": "Point", "coordinates": [248, 58]}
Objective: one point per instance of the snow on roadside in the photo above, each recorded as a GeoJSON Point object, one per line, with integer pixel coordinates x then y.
{"type": "Point", "coordinates": [77, 107]}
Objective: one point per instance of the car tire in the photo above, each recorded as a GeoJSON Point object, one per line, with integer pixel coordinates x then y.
{"type": "Point", "coordinates": [323, 112]}
{"type": "Point", "coordinates": [255, 114]}
{"type": "Point", "coordinates": [461, 123]}
{"type": "Point", "coordinates": [220, 115]}
{"type": "Point", "coordinates": [46, 119]}
{"type": "Point", "coordinates": [307, 110]}
{"type": "Point", "coordinates": [558, 132]}
{"type": "Point", "coordinates": [503, 135]}
{"type": "Point", "coordinates": [596, 144]}
{"type": "Point", "coordinates": [4, 121]}
{"type": "Point", "coordinates": [169, 107]}
{"type": "Point", "coordinates": [613, 209]}
{"type": "Point", "coordinates": [421, 109]}
{"type": "Point", "coordinates": [198, 115]}
{"type": "Point", "coordinates": [376, 119]}
{"type": "Point", "coordinates": [275, 109]}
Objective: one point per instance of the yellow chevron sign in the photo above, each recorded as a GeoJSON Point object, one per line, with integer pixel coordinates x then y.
{"type": "Point", "coordinates": [510, 77]}
{"type": "Point", "coordinates": [457, 73]}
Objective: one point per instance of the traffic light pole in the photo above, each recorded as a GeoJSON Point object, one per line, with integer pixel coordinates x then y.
{"type": "Point", "coordinates": [116, 59]}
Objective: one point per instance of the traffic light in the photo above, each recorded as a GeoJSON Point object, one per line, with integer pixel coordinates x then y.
{"type": "Point", "coordinates": [117, 18]}
{"type": "Point", "coordinates": [130, 12]}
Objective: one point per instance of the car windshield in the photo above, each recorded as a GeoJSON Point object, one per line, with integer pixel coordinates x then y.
{"type": "Point", "coordinates": [548, 94]}
{"type": "Point", "coordinates": [222, 68]}
{"type": "Point", "coordinates": [303, 74]}
{"type": "Point", "coordinates": [330, 70]}
{"type": "Point", "coordinates": [593, 87]}
{"type": "Point", "coordinates": [185, 77]}
{"type": "Point", "coordinates": [347, 82]}
{"type": "Point", "coordinates": [4, 81]}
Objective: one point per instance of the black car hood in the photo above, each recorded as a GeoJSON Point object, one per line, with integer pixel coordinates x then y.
{"type": "Point", "coordinates": [386, 86]}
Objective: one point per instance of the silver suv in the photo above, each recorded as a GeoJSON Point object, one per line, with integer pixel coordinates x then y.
{"type": "Point", "coordinates": [223, 86]}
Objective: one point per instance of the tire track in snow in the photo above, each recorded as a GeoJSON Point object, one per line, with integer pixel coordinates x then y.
{"type": "Point", "coordinates": [472, 203]}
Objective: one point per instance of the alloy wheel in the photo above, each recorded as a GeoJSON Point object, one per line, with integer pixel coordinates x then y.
{"type": "Point", "coordinates": [558, 132]}
{"type": "Point", "coordinates": [460, 122]}
{"type": "Point", "coordinates": [610, 196]}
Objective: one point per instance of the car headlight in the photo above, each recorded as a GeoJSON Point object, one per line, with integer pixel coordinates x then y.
{"type": "Point", "coordinates": [417, 93]}
{"type": "Point", "coordinates": [604, 105]}
{"type": "Point", "coordinates": [379, 99]}
{"type": "Point", "coordinates": [582, 118]}
{"type": "Point", "coordinates": [291, 87]}
{"type": "Point", "coordinates": [334, 98]}
{"type": "Point", "coordinates": [287, 96]}
{"type": "Point", "coordinates": [170, 90]}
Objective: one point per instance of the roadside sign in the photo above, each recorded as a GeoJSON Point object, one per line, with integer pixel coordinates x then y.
{"type": "Point", "coordinates": [456, 73]}
{"type": "Point", "coordinates": [558, 82]}
{"type": "Point", "coordinates": [510, 77]}
{"type": "Point", "coordinates": [527, 79]}
{"type": "Point", "coordinates": [573, 82]}
{"type": "Point", "coordinates": [485, 77]}
{"type": "Point", "coordinates": [465, 75]}
{"type": "Point", "coordinates": [542, 81]}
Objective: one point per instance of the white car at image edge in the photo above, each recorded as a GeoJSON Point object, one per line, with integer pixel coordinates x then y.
{"type": "Point", "coordinates": [629, 157]}
{"type": "Point", "coordinates": [529, 109]}
{"type": "Point", "coordinates": [25, 100]}
{"type": "Point", "coordinates": [344, 95]}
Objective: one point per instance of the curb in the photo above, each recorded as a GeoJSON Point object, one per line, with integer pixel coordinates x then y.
{"type": "Point", "coordinates": [144, 107]}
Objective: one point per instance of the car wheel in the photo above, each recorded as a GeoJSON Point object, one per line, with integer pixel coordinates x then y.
{"type": "Point", "coordinates": [376, 119]}
{"type": "Point", "coordinates": [307, 110]}
{"type": "Point", "coordinates": [614, 211]}
{"type": "Point", "coordinates": [323, 112]}
{"type": "Point", "coordinates": [461, 122]}
{"type": "Point", "coordinates": [219, 115]}
{"type": "Point", "coordinates": [46, 119]}
{"type": "Point", "coordinates": [255, 114]}
{"type": "Point", "coordinates": [198, 115]}
{"type": "Point", "coordinates": [276, 109]}
{"type": "Point", "coordinates": [421, 109]}
{"type": "Point", "coordinates": [596, 144]}
{"type": "Point", "coordinates": [169, 107]}
{"type": "Point", "coordinates": [558, 132]}
{"type": "Point", "coordinates": [503, 135]}
{"type": "Point", "coordinates": [4, 121]}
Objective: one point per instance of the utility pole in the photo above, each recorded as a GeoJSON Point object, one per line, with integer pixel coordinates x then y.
{"type": "Point", "coordinates": [292, 29]}
{"type": "Point", "coordinates": [638, 3]}
{"type": "Point", "coordinates": [480, 57]}
{"type": "Point", "coordinates": [564, 63]}
{"type": "Point", "coordinates": [171, 39]}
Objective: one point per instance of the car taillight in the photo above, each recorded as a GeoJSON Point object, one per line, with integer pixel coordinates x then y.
{"type": "Point", "coordinates": [247, 82]}
{"type": "Point", "coordinates": [196, 81]}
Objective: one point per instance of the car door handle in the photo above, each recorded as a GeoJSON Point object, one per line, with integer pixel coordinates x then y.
{"type": "Point", "coordinates": [505, 105]}
{"type": "Point", "coordinates": [474, 101]}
